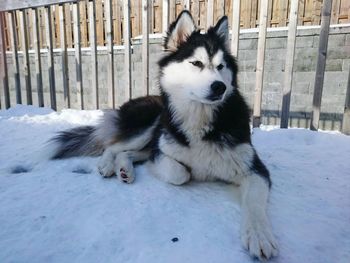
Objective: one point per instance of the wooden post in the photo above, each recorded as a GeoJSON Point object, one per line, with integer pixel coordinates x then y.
{"type": "Point", "coordinates": [92, 16]}
{"type": "Point", "coordinates": [3, 62]}
{"type": "Point", "coordinates": [50, 58]}
{"type": "Point", "coordinates": [236, 9]}
{"type": "Point", "coordinates": [77, 49]}
{"type": "Point", "coordinates": [210, 13]}
{"type": "Point", "coordinates": [38, 72]}
{"type": "Point", "coordinates": [145, 45]}
{"type": "Point", "coordinates": [65, 75]}
{"type": "Point", "coordinates": [321, 64]}
{"type": "Point", "coordinates": [186, 4]}
{"type": "Point", "coordinates": [12, 26]}
{"type": "Point", "coordinates": [110, 57]}
{"type": "Point", "coordinates": [26, 66]}
{"type": "Point", "coordinates": [288, 77]}
{"type": "Point", "coordinates": [165, 20]}
{"type": "Point", "coordinates": [346, 116]}
{"type": "Point", "coordinates": [260, 63]}
{"type": "Point", "coordinates": [127, 45]}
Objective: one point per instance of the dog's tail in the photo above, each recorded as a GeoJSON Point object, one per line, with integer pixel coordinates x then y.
{"type": "Point", "coordinates": [87, 140]}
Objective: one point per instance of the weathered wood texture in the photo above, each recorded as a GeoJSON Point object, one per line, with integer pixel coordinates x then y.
{"type": "Point", "coordinates": [77, 48]}
{"type": "Point", "coordinates": [162, 12]}
{"type": "Point", "coordinates": [93, 47]}
{"type": "Point", "coordinates": [321, 64]}
{"type": "Point", "coordinates": [5, 100]}
{"type": "Point", "coordinates": [260, 63]}
{"type": "Point", "coordinates": [288, 74]}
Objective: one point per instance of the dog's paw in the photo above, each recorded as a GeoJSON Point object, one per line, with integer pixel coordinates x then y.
{"type": "Point", "coordinates": [258, 239]}
{"type": "Point", "coordinates": [106, 167]}
{"type": "Point", "coordinates": [125, 175]}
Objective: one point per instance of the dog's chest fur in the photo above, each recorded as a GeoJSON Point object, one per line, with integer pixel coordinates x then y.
{"type": "Point", "coordinates": [210, 160]}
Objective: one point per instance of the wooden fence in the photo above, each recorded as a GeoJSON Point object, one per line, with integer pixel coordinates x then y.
{"type": "Point", "coordinates": [92, 16]}
{"type": "Point", "coordinates": [309, 13]}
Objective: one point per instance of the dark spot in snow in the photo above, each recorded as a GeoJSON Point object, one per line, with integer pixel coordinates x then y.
{"type": "Point", "coordinates": [42, 217]}
{"type": "Point", "coordinates": [81, 171]}
{"type": "Point", "coordinates": [20, 169]}
{"type": "Point", "coordinates": [175, 239]}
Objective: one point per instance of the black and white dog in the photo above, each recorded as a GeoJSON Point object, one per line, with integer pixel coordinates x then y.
{"type": "Point", "coordinates": [198, 128]}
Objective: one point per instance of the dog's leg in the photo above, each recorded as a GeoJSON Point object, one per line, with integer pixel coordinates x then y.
{"type": "Point", "coordinates": [169, 170]}
{"type": "Point", "coordinates": [124, 164]}
{"type": "Point", "coordinates": [256, 234]}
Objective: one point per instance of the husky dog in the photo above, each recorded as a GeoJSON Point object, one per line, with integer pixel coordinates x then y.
{"type": "Point", "coordinates": [198, 128]}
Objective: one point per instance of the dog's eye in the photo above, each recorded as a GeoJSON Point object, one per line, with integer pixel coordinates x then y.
{"type": "Point", "coordinates": [197, 63]}
{"type": "Point", "coordinates": [220, 67]}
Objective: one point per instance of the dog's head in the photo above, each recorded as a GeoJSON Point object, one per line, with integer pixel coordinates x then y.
{"type": "Point", "coordinates": [198, 67]}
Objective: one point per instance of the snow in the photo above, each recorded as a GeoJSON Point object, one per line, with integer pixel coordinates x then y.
{"type": "Point", "coordinates": [63, 211]}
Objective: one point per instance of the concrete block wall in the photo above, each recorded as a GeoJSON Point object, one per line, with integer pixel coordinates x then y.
{"type": "Point", "coordinates": [338, 63]}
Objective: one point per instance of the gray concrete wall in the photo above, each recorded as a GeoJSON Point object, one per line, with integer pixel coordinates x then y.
{"type": "Point", "coordinates": [338, 61]}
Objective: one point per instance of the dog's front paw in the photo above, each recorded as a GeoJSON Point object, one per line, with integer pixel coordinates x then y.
{"type": "Point", "coordinates": [258, 239]}
{"type": "Point", "coordinates": [106, 167]}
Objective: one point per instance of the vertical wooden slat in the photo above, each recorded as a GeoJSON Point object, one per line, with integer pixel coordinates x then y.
{"type": "Point", "coordinates": [63, 38]}
{"type": "Point", "coordinates": [145, 45]}
{"type": "Point", "coordinates": [50, 58]}
{"type": "Point", "coordinates": [236, 9]}
{"type": "Point", "coordinates": [77, 49]}
{"type": "Point", "coordinates": [260, 62]}
{"type": "Point", "coordinates": [165, 19]}
{"type": "Point", "coordinates": [3, 62]}
{"type": "Point", "coordinates": [346, 116]}
{"type": "Point", "coordinates": [195, 11]}
{"type": "Point", "coordinates": [210, 13]}
{"type": "Point", "coordinates": [127, 45]}
{"type": "Point", "coordinates": [321, 64]}
{"type": "Point", "coordinates": [288, 77]}
{"type": "Point", "coordinates": [186, 4]}
{"type": "Point", "coordinates": [93, 47]}
{"type": "Point", "coordinates": [110, 57]}
{"type": "Point", "coordinates": [12, 26]}
{"type": "Point", "coordinates": [25, 48]}
{"type": "Point", "coordinates": [38, 72]}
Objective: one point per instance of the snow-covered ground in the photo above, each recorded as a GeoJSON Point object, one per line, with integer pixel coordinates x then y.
{"type": "Point", "coordinates": [63, 211]}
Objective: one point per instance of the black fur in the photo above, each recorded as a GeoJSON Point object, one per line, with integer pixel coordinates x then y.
{"type": "Point", "coordinates": [259, 168]}
{"type": "Point", "coordinates": [72, 142]}
{"type": "Point", "coordinates": [137, 115]}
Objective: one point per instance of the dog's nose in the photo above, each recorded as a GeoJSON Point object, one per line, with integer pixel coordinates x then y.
{"type": "Point", "coordinates": [217, 89]}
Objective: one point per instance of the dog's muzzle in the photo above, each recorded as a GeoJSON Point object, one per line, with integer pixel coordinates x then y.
{"type": "Point", "coordinates": [217, 90]}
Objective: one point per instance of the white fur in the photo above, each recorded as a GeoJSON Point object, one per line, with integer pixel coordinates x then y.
{"type": "Point", "coordinates": [106, 164]}
{"type": "Point", "coordinates": [194, 83]}
{"type": "Point", "coordinates": [168, 170]}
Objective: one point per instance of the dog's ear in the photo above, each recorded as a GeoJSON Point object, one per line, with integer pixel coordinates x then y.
{"type": "Point", "coordinates": [221, 29]}
{"type": "Point", "coordinates": [179, 31]}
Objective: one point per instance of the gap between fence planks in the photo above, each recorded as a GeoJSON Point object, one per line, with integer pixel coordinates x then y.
{"type": "Point", "coordinates": [321, 64]}
{"type": "Point", "coordinates": [93, 47]}
{"type": "Point", "coordinates": [260, 63]}
{"type": "Point", "coordinates": [288, 74]}
{"type": "Point", "coordinates": [77, 49]}
{"type": "Point", "coordinates": [50, 58]}
{"type": "Point", "coordinates": [3, 63]}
